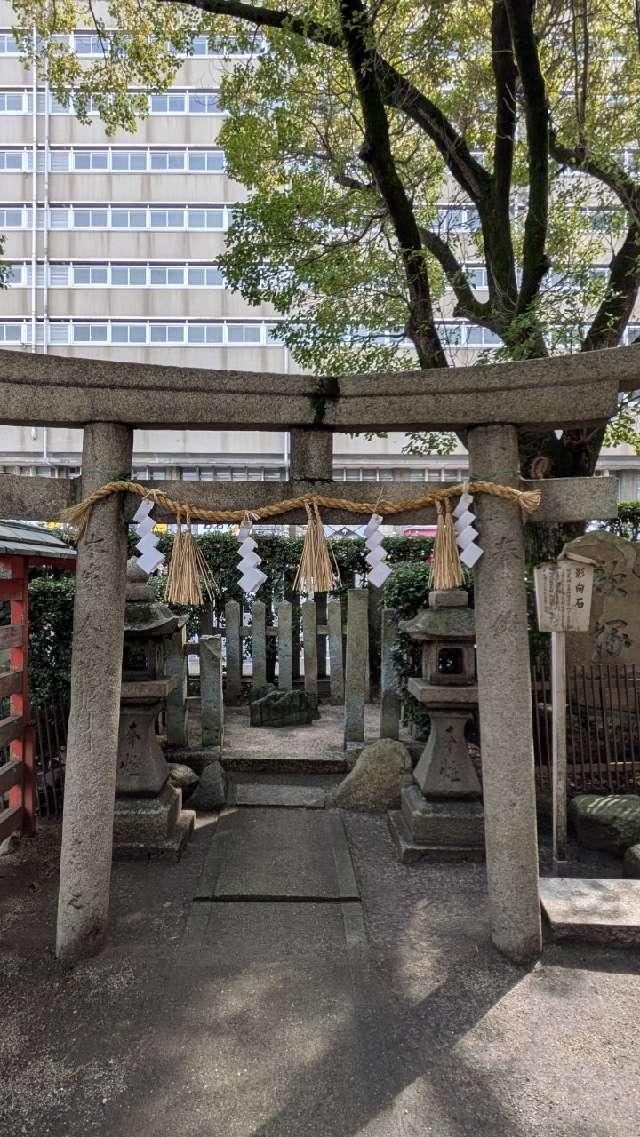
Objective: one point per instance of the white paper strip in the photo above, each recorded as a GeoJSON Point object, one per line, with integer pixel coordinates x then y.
{"type": "Point", "coordinates": [378, 569]}
{"type": "Point", "coordinates": [149, 558]}
{"type": "Point", "coordinates": [470, 555]}
{"type": "Point", "coordinates": [464, 503]}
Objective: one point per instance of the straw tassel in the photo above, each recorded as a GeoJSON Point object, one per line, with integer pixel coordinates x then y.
{"type": "Point", "coordinates": [317, 572]}
{"type": "Point", "coordinates": [446, 572]}
{"type": "Point", "coordinates": [188, 573]}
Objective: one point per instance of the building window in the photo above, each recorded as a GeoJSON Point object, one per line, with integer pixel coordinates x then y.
{"type": "Point", "coordinates": [8, 45]}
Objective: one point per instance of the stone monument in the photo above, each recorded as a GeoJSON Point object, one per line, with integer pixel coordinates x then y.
{"type": "Point", "coordinates": [441, 815]}
{"type": "Point", "coordinates": [614, 628]}
{"type": "Point", "coordinates": [149, 819]}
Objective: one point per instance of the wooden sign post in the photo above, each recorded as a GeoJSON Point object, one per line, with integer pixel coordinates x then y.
{"type": "Point", "coordinates": [563, 602]}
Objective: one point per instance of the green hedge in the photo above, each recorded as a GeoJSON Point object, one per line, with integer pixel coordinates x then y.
{"type": "Point", "coordinates": [51, 594]}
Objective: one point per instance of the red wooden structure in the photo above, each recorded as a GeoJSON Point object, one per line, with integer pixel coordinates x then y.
{"type": "Point", "coordinates": [21, 546]}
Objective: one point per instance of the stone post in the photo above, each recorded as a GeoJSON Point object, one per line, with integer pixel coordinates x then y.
{"type": "Point", "coordinates": [389, 696]}
{"type": "Point", "coordinates": [211, 690]}
{"type": "Point", "coordinates": [310, 646]}
{"type": "Point", "coordinates": [96, 676]}
{"type": "Point", "coordinates": [504, 690]}
{"type": "Point", "coordinates": [258, 644]}
{"type": "Point", "coordinates": [356, 679]}
{"type": "Point", "coordinates": [336, 666]}
{"type": "Point", "coordinates": [176, 668]}
{"type": "Point", "coordinates": [234, 652]}
{"type": "Point", "coordinates": [311, 454]}
{"type": "Point", "coordinates": [285, 646]}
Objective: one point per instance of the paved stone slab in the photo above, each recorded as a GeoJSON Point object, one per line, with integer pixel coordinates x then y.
{"type": "Point", "coordinates": [278, 854]}
{"type": "Point", "coordinates": [594, 911]}
{"type": "Point", "coordinates": [286, 796]}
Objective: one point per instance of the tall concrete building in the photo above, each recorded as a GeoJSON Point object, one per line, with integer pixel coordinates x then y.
{"type": "Point", "coordinates": [114, 243]}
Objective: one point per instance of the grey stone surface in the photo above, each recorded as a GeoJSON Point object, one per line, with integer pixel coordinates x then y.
{"type": "Point", "coordinates": [449, 598]}
{"type": "Point", "coordinates": [336, 659]}
{"type": "Point", "coordinates": [606, 821]}
{"type": "Point", "coordinates": [311, 454]}
{"type": "Point", "coordinates": [375, 782]}
{"type": "Point", "coordinates": [211, 700]}
{"type": "Point", "coordinates": [142, 767]}
{"type": "Point", "coordinates": [614, 624]}
{"type": "Point", "coordinates": [539, 392]}
{"type": "Point", "coordinates": [176, 666]}
{"type": "Point", "coordinates": [273, 853]}
{"type": "Point", "coordinates": [211, 791]}
{"type": "Point", "coordinates": [410, 849]}
{"type": "Point", "coordinates": [285, 645]}
{"type": "Point", "coordinates": [504, 689]}
{"type": "Point", "coordinates": [389, 695]}
{"type": "Point", "coordinates": [96, 675]}
{"type": "Point", "coordinates": [441, 696]}
{"type": "Point", "coordinates": [147, 820]}
{"type": "Point", "coordinates": [443, 822]}
{"type": "Point", "coordinates": [445, 769]}
{"type": "Point", "coordinates": [233, 644]}
{"type": "Point", "coordinates": [632, 861]}
{"type": "Point", "coordinates": [258, 643]}
{"type": "Point", "coordinates": [440, 623]}
{"type": "Point", "coordinates": [356, 675]}
{"type": "Point", "coordinates": [182, 777]}
{"type": "Point", "coordinates": [282, 796]}
{"type": "Point", "coordinates": [284, 708]}
{"type": "Point", "coordinates": [309, 646]}
{"type": "Point", "coordinates": [592, 911]}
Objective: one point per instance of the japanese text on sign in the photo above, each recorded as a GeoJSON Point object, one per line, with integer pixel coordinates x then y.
{"type": "Point", "coordinates": [563, 596]}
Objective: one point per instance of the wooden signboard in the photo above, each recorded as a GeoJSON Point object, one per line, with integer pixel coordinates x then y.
{"type": "Point", "coordinates": [563, 601]}
{"type": "Point", "coordinates": [563, 595]}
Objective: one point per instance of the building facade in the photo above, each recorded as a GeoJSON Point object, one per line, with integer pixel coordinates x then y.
{"type": "Point", "coordinates": [114, 244]}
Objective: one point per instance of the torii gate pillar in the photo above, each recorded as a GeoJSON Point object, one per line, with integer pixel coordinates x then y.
{"type": "Point", "coordinates": [96, 674]}
{"type": "Point", "coordinates": [504, 691]}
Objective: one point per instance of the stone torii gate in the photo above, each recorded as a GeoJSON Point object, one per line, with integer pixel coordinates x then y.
{"type": "Point", "coordinates": [488, 405]}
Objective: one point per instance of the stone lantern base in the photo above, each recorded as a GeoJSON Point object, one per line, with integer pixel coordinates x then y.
{"type": "Point", "coordinates": [446, 830]}
{"type": "Point", "coordinates": [149, 821]}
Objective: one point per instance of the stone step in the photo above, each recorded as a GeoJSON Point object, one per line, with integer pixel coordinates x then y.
{"type": "Point", "coordinates": [295, 791]}
{"type": "Point", "coordinates": [600, 911]}
{"type": "Point", "coordinates": [318, 763]}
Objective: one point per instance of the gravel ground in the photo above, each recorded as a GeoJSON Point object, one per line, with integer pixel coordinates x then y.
{"type": "Point", "coordinates": [437, 1035]}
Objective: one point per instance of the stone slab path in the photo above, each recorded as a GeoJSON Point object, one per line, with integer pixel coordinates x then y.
{"type": "Point", "coordinates": [287, 854]}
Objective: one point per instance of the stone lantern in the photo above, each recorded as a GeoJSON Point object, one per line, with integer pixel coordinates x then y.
{"type": "Point", "coordinates": [441, 815]}
{"type": "Point", "coordinates": [149, 819]}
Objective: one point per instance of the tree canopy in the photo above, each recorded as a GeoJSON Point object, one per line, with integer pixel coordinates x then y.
{"type": "Point", "coordinates": [407, 166]}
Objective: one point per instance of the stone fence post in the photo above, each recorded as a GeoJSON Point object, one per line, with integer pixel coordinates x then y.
{"type": "Point", "coordinates": [211, 704]}
{"type": "Point", "coordinates": [176, 668]}
{"type": "Point", "coordinates": [96, 677]}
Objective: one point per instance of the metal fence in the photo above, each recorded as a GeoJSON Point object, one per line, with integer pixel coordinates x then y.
{"type": "Point", "coordinates": [50, 725]}
{"type": "Point", "coordinates": [603, 727]}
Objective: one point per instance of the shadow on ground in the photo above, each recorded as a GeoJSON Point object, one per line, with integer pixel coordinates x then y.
{"type": "Point", "coordinates": [266, 1021]}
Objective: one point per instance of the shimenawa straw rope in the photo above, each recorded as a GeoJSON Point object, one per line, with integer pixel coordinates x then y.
{"type": "Point", "coordinates": [79, 514]}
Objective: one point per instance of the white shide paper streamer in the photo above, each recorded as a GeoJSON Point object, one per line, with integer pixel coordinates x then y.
{"type": "Point", "coordinates": [149, 556]}
{"type": "Point", "coordinates": [466, 533]}
{"type": "Point", "coordinates": [252, 576]}
{"type": "Point", "coordinates": [376, 556]}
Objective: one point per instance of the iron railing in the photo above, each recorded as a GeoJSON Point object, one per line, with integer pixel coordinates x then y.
{"type": "Point", "coordinates": [50, 725]}
{"type": "Point", "coordinates": [603, 727]}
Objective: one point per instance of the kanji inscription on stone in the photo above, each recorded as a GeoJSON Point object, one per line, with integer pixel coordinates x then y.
{"type": "Point", "coordinates": [563, 595]}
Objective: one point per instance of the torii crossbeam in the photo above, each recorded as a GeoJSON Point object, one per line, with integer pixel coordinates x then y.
{"type": "Point", "coordinates": [488, 404]}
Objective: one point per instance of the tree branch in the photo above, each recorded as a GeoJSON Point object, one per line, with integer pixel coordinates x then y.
{"type": "Point", "coordinates": [377, 154]}
{"type": "Point", "coordinates": [506, 77]}
{"type": "Point", "coordinates": [615, 310]}
{"type": "Point", "coordinates": [467, 303]}
{"type": "Point", "coordinates": [396, 89]}
{"type": "Point", "coordinates": [609, 173]}
{"type": "Point", "coordinates": [534, 256]}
